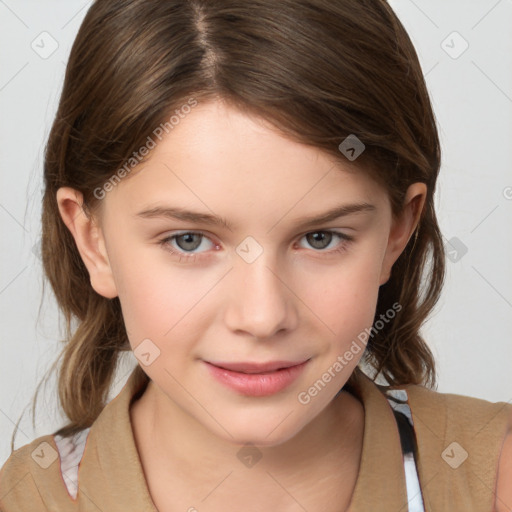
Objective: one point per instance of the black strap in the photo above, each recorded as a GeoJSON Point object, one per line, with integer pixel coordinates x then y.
{"type": "Point", "coordinates": [407, 436]}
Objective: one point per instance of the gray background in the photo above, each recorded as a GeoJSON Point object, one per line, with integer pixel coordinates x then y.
{"type": "Point", "coordinates": [471, 92]}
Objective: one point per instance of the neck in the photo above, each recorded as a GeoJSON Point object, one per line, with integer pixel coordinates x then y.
{"type": "Point", "coordinates": [326, 451]}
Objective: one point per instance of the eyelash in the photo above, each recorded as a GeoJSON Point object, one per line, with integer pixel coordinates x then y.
{"type": "Point", "coordinates": [165, 243]}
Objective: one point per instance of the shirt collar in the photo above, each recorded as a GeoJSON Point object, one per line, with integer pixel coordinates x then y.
{"type": "Point", "coordinates": [381, 480]}
{"type": "Point", "coordinates": [111, 452]}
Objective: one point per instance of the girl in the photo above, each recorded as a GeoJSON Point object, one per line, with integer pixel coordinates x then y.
{"type": "Point", "coordinates": [242, 194]}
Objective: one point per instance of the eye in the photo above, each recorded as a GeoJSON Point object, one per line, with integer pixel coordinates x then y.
{"type": "Point", "coordinates": [321, 240]}
{"type": "Point", "coordinates": [187, 241]}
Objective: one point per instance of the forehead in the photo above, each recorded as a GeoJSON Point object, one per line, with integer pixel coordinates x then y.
{"type": "Point", "coordinates": [218, 156]}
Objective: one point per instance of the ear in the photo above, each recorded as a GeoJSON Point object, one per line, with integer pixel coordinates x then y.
{"type": "Point", "coordinates": [89, 240]}
{"type": "Point", "coordinates": [403, 227]}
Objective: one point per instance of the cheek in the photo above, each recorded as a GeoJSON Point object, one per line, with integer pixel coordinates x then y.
{"type": "Point", "coordinates": [158, 301]}
{"type": "Point", "coordinates": [345, 297]}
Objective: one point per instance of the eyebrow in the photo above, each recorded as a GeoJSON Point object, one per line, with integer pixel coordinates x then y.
{"type": "Point", "coordinates": [215, 220]}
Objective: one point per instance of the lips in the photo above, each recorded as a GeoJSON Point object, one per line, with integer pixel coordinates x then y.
{"type": "Point", "coordinates": [256, 379]}
{"type": "Point", "coordinates": [253, 367]}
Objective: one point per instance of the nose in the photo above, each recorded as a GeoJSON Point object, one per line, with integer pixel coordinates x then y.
{"type": "Point", "coordinates": [260, 300]}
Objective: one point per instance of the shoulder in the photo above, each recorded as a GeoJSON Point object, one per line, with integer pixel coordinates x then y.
{"type": "Point", "coordinates": [446, 421]}
{"type": "Point", "coordinates": [32, 478]}
{"type": "Point", "coordinates": [465, 414]}
{"type": "Point", "coordinates": [18, 487]}
{"type": "Point", "coordinates": [464, 447]}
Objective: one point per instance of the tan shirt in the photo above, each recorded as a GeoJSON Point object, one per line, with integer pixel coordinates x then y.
{"type": "Point", "coordinates": [101, 470]}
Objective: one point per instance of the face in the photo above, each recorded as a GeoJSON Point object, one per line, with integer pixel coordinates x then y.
{"type": "Point", "coordinates": [262, 285]}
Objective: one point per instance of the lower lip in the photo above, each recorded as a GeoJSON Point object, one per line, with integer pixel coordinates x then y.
{"type": "Point", "coordinates": [257, 384]}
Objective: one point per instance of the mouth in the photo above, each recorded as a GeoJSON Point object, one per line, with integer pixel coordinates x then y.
{"type": "Point", "coordinates": [254, 367]}
{"type": "Point", "coordinates": [257, 379]}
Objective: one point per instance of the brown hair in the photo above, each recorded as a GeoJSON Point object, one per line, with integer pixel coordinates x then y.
{"type": "Point", "coordinates": [317, 70]}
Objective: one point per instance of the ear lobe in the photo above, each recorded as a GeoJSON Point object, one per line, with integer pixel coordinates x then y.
{"type": "Point", "coordinates": [89, 240]}
{"type": "Point", "coordinates": [403, 227]}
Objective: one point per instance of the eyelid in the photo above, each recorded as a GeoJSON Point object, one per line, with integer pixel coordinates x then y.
{"type": "Point", "coordinates": [202, 234]}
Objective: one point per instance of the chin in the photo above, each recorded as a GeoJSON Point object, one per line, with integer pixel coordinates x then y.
{"type": "Point", "coordinates": [262, 434]}
{"type": "Point", "coordinates": [259, 440]}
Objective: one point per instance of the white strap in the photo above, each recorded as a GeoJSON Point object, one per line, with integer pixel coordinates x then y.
{"type": "Point", "coordinates": [397, 398]}
{"type": "Point", "coordinates": [71, 450]}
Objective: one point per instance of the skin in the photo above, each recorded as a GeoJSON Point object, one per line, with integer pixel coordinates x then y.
{"type": "Point", "coordinates": [504, 477]}
{"type": "Point", "coordinates": [295, 301]}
